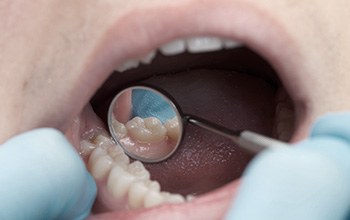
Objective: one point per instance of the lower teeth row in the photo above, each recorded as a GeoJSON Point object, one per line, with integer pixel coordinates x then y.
{"type": "Point", "coordinates": [127, 183]}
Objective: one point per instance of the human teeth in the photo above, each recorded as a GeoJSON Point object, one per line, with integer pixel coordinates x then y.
{"type": "Point", "coordinates": [172, 126]}
{"type": "Point", "coordinates": [119, 128]}
{"type": "Point", "coordinates": [148, 58]}
{"type": "Point", "coordinates": [128, 65]}
{"type": "Point", "coordinates": [86, 147]}
{"type": "Point", "coordinates": [137, 193]}
{"type": "Point", "coordinates": [98, 152]}
{"type": "Point", "coordinates": [173, 48]}
{"type": "Point", "coordinates": [100, 167]}
{"type": "Point", "coordinates": [139, 171]}
{"type": "Point", "coordinates": [119, 182]}
{"type": "Point", "coordinates": [149, 130]}
{"type": "Point", "coordinates": [153, 198]}
{"type": "Point", "coordinates": [228, 44]}
{"type": "Point", "coordinates": [204, 44]}
{"type": "Point", "coordinates": [173, 198]}
{"type": "Point", "coordinates": [103, 142]}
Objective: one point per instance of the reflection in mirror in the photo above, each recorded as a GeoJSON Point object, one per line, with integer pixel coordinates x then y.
{"type": "Point", "coordinates": [145, 123]}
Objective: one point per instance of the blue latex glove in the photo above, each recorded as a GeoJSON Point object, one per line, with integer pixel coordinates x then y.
{"type": "Point", "coordinates": [149, 104]}
{"type": "Point", "coordinates": [308, 182]}
{"type": "Point", "coordinates": [42, 177]}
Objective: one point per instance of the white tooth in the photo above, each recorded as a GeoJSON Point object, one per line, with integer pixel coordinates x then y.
{"type": "Point", "coordinates": [149, 130]}
{"type": "Point", "coordinates": [128, 65]}
{"type": "Point", "coordinates": [229, 44]}
{"type": "Point", "coordinates": [148, 58]}
{"type": "Point", "coordinates": [119, 182]}
{"type": "Point", "coordinates": [153, 198]}
{"type": "Point", "coordinates": [119, 128]}
{"type": "Point", "coordinates": [86, 147]}
{"type": "Point", "coordinates": [139, 171]}
{"type": "Point", "coordinates": [103, 142]}
{"type": "Point", "coordinates": [96, 154]}
{"type": "Point", "coordinates": [173, 48]}
{"type": "Point", "coordinates": [174, 198]}
{"type": "Point", "coordinates": [190, 198]}
{"type": "Point", "coordinates": [173, 129]}
{"type": "Point", "coordinates": [204, 44]}
{"type": "Point", "coordinates": [100, 167]}
{"type": "Point", "coordinates": [137, 194]}
{"type": "Point", "coordinates": [153, 185]}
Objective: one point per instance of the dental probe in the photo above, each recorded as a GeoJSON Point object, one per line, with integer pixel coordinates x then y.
{"type": "Point", "coordinates": [248, 140]}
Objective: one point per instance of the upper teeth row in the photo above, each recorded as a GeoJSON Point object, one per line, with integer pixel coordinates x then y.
{"type": "Point", "coordinates": [191, 45]}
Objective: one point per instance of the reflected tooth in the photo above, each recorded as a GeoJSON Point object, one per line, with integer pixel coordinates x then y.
{"type": "Point", "coordinates": [137, 193]}
{"type": "Point", "coordinates": [119, 182]}
{"type": "Point", "coordinates": [173, 48]}
{"type": "Point", "coordinates": [149, 130]}
{"type": "Point", "coordinates": [100, 167]}
{"type": "Point", "coordinates": [139, 171]}
{"type": "Point", "coordinates": [152, 199]}
{"type": "Point", "coordinates": [229, 44]}
{"type": "Point", "coordinates": [204, 44]}
{"type": "Point", "coordinates": [128, 65]}
{"type": "Point", "coordinates": [148, 58]}
{"type": "Point", "coordinates": [119, 128]}
{"type": "Point", "coordinates": [173, 129]}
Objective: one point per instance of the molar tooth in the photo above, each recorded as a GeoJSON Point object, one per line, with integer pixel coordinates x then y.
{"type": "Point", "coordinates": [100, 167]}
{"type": "Point", "coordinates": [139, 171]}
{"type": "Point", "coordinates": [149, 130]}
{"type": "Point", "coordinates": [152, 199]}
{"type": "Point", "coordinates": [174, 198]}
{"type": "Point", "coordinates": [119, 128]}
{"type": "Point", "coordinates": [204, 44]}
{"type": "Point", "coordinates": [173, 48]}
{"type": "Point", "coordinates": [86, 148]}
{"type": "Point", "coordinates": [128, 65]}
{"type": "Point", "coordinates": [148, 58]}
{"type": "Point", "coordinates": [173, 129]}
{"type": "Point", "coordinates": [103, 142]}
{"type": "Point", "coordinates": [137, 193]}
{"type": "Point", "coordinates": [119, 182]}
{"type": "Point", "coordinates": [121, 160]}
{"type": "Point", "coordinates": [190, 198]}
{"type": "Point", "coordinates": [96, 153]}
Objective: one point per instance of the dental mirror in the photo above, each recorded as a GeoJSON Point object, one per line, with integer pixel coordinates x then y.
{"type": "Point", "coordinates": [149, 126]}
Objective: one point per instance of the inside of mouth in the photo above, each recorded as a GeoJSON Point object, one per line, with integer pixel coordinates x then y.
{"type": "Point", "coordinates": [234, 87]}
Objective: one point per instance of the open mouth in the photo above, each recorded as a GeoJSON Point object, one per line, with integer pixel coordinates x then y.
{"type": "Point", "coordinates": [212, 75]}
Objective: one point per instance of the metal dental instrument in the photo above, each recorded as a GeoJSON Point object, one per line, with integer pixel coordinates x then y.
{"type": "Point", "coordinates": [155, 139]}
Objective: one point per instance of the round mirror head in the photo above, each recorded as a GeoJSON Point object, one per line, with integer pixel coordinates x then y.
{"type": "Point", "coordinates": [145, 123]}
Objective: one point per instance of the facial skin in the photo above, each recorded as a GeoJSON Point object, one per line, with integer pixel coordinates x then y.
{"type": "Point", "coordinates": [55, 54]}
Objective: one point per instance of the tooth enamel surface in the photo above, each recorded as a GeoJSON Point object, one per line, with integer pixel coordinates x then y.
{"type": "Point", "coordinates": [173, 48]}
{"type": "Point", "coordinates": [149, 130]}
{"type": "Point", "coordinates": [128, 65]}
{"type": "Point", "coordinates": [103, 142]}
{"type": "Point", "coordinates": [98, 152]}
{"type": "Point", "coordinates": [152, 199]}
{"type": "Point", "coordinates": [119, 128]}
{"type": "Point", "coordinates": [173, 129]}
{"type": "Point", "coordinates": [148, 58]}
{"type": "Point", "coordinates": [101, 166]}
{"type": "Point", "coordinates": [86, 147]}
{"type": "Point", "coordinates": [204, 44]}
{"type": "Point", "coordinates": [119, 182]}
{"type": "Point", "coordinates": [139, 171]}
{"type": "Point", "coordinates": [136, 195]}
{"type": "Point", "coordinates": [174, 199]}
{"type": "Point", "coordinates": [228, 44]}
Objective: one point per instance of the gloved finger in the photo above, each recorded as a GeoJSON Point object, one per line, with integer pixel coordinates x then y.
{"type": "Point", "coordinates": [309, 181]}
{"type": "Point", "coordinates": [42, 177]}
{"type": "Point", "coordinates": [150, 104]}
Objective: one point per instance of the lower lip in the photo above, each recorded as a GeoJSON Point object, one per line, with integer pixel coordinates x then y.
{"type": "Point", "coordinates": [213, 205]}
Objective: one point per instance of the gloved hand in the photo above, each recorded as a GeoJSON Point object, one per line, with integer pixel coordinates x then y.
{"type": "Point", "coordinates": [310, 181]}
{"type": "Point", "coordinates": [42, 177]}
{"type": "Point", "coordinates": [150, 104]}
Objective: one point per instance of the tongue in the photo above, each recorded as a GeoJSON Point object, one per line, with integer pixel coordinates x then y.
{"type": "Point", "coordinates": [206, 161]}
